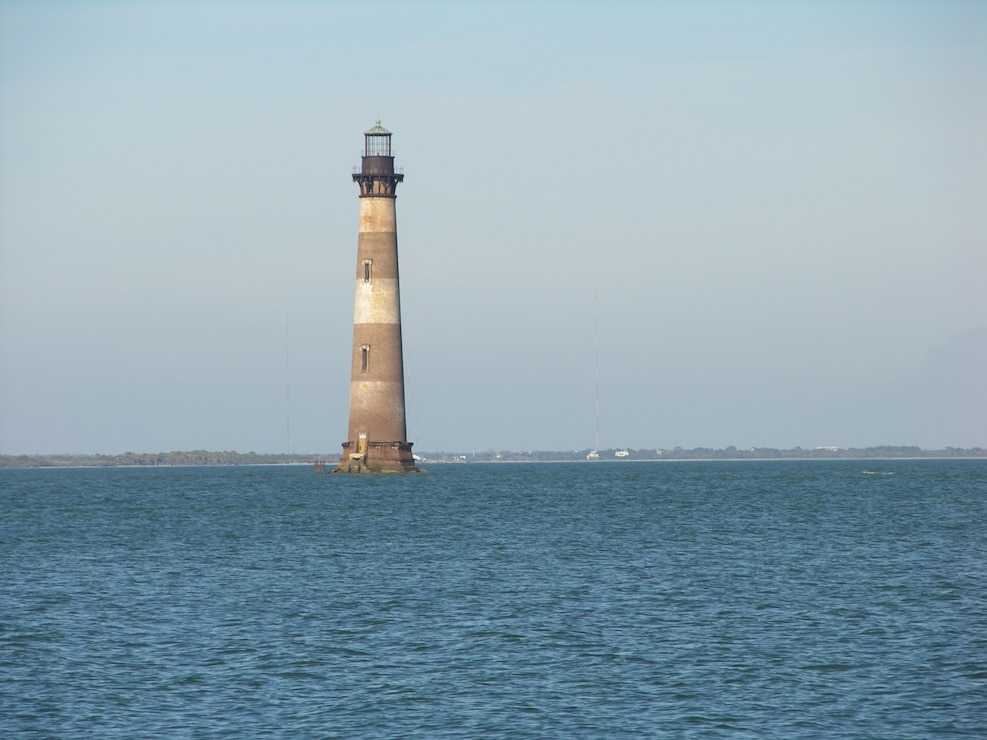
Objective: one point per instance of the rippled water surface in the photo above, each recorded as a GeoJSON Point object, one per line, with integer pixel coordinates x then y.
{"type": "Point", "coordinates": [785, 599]}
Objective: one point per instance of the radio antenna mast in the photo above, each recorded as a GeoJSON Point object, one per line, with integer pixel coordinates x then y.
{"type": "Point", "coordinates": [287, 389]}
{"type": "Point", "coordinates": [596, 306]}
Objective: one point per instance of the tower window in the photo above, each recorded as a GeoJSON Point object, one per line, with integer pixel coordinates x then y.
{"type": "Point", "coordinates": [365, 358]}
{"type": "Point", "coordinates": [367, 264]}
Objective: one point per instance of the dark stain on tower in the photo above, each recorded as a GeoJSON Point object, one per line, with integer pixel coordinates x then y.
{"type": "Point", "coordinates": [376, 440]}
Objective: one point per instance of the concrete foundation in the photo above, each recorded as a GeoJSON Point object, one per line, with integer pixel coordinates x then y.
{"type": "Point", "coordinates": [379, 457]}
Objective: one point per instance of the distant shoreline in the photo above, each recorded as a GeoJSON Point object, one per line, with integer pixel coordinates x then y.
{"type": "Point", "coordinates": [204, 458]}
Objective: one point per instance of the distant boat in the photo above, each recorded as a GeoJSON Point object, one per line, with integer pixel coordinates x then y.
{"type": "Point", "coordinates": [621, 453]}
{"type": "Point", "coordinates": [593, 455]}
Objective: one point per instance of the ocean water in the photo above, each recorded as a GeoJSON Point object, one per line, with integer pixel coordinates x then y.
{"type": "Point", "coordinates": [824, 599]}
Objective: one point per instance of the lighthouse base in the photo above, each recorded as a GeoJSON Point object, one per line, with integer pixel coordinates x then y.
{"type": "Point", "coordinates": [377, 457]}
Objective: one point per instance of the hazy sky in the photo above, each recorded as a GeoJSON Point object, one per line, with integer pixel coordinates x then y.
{"type": "Point", "coordinates": [782, 208]}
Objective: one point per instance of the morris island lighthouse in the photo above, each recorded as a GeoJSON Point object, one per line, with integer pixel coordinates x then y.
{"type": "Point", "coordinates": [376, 441]}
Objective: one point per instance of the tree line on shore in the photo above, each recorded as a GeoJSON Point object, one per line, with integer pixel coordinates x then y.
{"type": "Point", "coordinates": [135, 459]}
{"type": "Point", "coordinates": [708, 453]}
{"type": "Point", "coordinates": [205, 457]}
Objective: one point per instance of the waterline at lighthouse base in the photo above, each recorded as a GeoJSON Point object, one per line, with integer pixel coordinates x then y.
{"type": "Point", "coordinates": [377, 457]}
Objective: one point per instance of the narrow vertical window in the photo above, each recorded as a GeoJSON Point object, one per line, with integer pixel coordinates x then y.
{"type": "Point", "coordinates": [367, 264]}
{"type": "Point", "coordinates": [365, 358]}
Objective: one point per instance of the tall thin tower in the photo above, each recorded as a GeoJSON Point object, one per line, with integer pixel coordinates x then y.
{"type": "Point", "coordinates": [376, 440]}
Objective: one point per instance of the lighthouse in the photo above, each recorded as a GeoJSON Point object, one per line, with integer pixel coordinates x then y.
{"type": "Point", "coordinates": [376, 439]}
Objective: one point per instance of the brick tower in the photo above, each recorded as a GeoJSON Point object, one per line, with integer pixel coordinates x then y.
{"type": "Point", "coordinates": [376, 440]}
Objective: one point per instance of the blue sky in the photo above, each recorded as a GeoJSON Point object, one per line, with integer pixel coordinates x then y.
{"type": "Point", "coordinates": [781, 209]}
